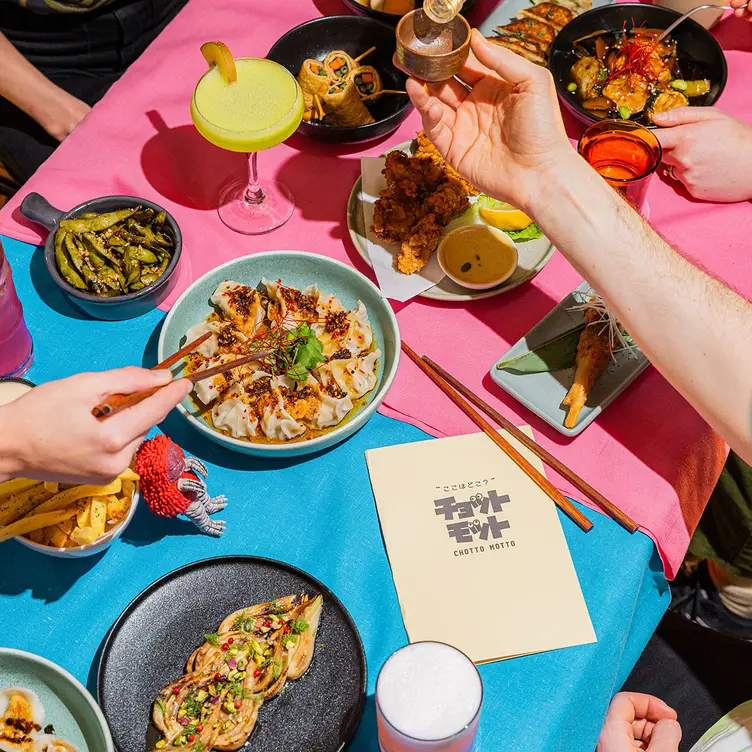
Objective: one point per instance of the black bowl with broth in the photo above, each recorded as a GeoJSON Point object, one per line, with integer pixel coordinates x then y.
{"type": "Point", "coordinates": [353, 34]}
{"type": "Point", "coordinates": [699, 54]}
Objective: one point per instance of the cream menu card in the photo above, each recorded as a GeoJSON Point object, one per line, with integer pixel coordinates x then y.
{"type": "Point", "coordinates": [477, 551]}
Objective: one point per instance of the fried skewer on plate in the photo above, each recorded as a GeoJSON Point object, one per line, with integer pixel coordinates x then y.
{"type": "Point", "coordinates": [593, 352]}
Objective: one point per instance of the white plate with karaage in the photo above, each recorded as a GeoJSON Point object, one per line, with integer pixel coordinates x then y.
{"type": "Point", "coordinates": [533, 254]}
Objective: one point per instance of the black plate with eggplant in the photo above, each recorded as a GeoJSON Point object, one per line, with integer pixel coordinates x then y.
{"type": "Point", "coordinates": [609, 63]}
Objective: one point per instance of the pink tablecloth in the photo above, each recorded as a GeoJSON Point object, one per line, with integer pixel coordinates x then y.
{"type": "Point", "coordinates": [649, 452]}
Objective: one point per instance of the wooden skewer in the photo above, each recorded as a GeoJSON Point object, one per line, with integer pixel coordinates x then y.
{"type": "Point", "coordinates": [367, 52]}
{"type": "Point", "coordinates": [541, 481]}
{"type": "Point", "coordinates": [383, 91]}
{"type": "Point", "coordinates": [115, 403]}
{"type": "Point", "coordinates": [319, 107]}
{"type": "Point", "coordinates": [613, 511]}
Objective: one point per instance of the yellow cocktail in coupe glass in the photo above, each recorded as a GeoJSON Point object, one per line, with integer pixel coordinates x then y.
{"type": "Point", "coordinates": [248, 105]}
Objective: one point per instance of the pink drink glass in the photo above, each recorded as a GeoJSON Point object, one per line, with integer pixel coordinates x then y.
{"type": "Point", "coordinates": [16, 350]}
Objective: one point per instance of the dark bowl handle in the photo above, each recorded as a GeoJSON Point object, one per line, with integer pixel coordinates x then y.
{"type": "Point", "coordinates": [38, 209]}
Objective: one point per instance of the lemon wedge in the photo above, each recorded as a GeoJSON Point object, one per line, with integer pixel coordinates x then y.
{"type": "Point", "coordinates": [505, 217]}
{"type": "Point", "coordinates": [217, 53]}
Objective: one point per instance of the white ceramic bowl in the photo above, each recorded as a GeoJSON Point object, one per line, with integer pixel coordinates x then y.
{"type": "Point", "coordinates": [99, 545]}
{"type": "Point", "coordinates": [298, 269]}
{"type": "Point", "coordinates": [470, 285]}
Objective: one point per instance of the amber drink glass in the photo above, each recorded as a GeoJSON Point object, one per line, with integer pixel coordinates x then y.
{"type": "Point", "coordinates": [625, 154]}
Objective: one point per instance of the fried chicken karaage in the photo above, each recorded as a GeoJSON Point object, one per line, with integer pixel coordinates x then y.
{"type": "Point", "coordinates": [422, 196]}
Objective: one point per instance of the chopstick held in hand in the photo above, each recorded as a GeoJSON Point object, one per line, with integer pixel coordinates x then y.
{"type": "Point", "coordinates": [115, 403]}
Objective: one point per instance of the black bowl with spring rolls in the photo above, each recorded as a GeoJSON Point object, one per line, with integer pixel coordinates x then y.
{"type": "Point", "coordinates": [342, 64]}
{"type": "Point", "coordinates": [608, 62]}
{"type": "Point", "coordinates": [115, 256]}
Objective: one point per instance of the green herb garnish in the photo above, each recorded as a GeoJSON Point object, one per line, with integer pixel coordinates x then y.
{"type": "Point", "coordinates": [298, 626]}
{"type": "Point", "coordinates": [192, 707]}
{"type": "Point", "coordinates": [276, 670]}
{"type": "Point", "coordinates": [212, 638]}
{"type": "Point", "coordinates": [309, 353]}
{"type": "Point", "coordinates": [160, 704]}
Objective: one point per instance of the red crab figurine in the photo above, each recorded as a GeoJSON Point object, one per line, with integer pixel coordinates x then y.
{"type": "Point", "coordinates": [173, 484]}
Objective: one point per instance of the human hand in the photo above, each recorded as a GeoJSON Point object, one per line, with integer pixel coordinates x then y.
{"type": "Point", "coordinates": [637, 721]}
{"type": "Point", "coordinates": [50, 434]}
{"type": "Point", "coordinates": [505, 134]}
{"type": "Point", "coordinates": [59, 112]}
{"type": "Point", "coordinates": [709, 150]}
{"type": "Point", "coordinates": [742, 8]}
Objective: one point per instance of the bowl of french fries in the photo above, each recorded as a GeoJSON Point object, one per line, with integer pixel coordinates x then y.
{"type": "Point", "coordinates": [64, 519]}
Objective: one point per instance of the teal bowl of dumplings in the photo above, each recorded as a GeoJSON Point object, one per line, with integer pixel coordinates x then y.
{"type": "Point", "coordinates": [347, 340]}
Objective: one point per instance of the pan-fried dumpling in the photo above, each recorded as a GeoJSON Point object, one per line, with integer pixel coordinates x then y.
{"type": "Point", "coordinates": [235, 416]}
{"type": "Point", "coordinates": [242, 305]}
{"type": "Point", "coordinates": [327, 406]}
{"type": "Point", "coordinates": [355, 376]}
{"type": "Point", "coordinates": [290, 305]}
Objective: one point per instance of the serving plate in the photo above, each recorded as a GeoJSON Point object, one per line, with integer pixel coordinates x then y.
{"type": "Point", "coordinates": [151, 641]}
{"type": "Point", "coordinates": [533, 254]}
{"type": "Point", "coordinates": [67, 705]}
{"type": "Point", "coordinates": [508, 10]}
{"type": "Point", "coordinates": [297, 269]}
{"type": "Point", "coordinates": [543, 392]}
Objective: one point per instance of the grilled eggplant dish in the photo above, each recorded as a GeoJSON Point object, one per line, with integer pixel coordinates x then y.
{"type": "Point", "coordinates": [631, 75]}
{"type": "Point", "coordinates": [245, 663]}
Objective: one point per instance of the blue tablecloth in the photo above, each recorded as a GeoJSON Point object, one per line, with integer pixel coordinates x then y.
{"type": "Point", "coordinates": [63, 609]}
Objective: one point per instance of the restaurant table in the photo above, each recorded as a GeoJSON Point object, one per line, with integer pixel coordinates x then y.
{"type": "Point", "coordinates": [316, 513]}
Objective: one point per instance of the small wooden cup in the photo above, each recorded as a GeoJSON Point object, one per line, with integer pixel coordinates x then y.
{"type": "Point", "coordinates": [431, 51]}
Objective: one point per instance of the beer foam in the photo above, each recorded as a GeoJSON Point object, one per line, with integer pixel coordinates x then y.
{"type": "Point", "coordinates": [429, 691]}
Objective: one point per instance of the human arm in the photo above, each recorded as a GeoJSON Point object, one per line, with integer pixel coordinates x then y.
{"type": "Point", "coordinates": [57, 111]}
{"type": "Point", "coordinates": [710, 152]}
{"type": "Point", "coordinates": [50, 434]}
{"type": "Point", "coordinates": [637, 721]}
{"type": "Point", "coordinates": [506, 136]}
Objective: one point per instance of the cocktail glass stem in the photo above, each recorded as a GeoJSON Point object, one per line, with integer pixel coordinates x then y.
{"type": "Point", "coordinates": [253, 193]}
{"type": "Point", "coordinates": [254, 206]}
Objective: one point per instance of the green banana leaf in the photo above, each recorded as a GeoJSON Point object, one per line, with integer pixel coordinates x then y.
{"type": "Point", "coordinates": [553, 355]}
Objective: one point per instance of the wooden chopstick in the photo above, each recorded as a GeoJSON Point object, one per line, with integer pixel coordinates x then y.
{"type": "Point", "coordinates": [613, 511]}
{"type": "Point", "coordinates": [115, 403]}
{"type": "Point", "coordinates": [540, 480]}
{"type": "Point", "coordinates": [367, 52]}
{"type": "Point", "coordinates": [201, 375]}
{"type": "Point", "coordinates": [182, 352]}
{"type": "Point", "coordinates": [105, 408]}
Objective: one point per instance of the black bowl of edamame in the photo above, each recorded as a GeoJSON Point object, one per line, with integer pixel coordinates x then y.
{"type": "Point", "coordinates": [115, 256]}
